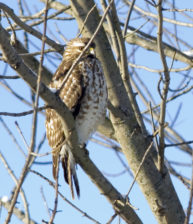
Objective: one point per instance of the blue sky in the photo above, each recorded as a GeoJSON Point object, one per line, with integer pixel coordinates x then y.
{"type": "Point", "coordinates": [91, 201]}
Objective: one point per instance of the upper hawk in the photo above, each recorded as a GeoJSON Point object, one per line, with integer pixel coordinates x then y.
{"type": "Point", "coordinates": [85, 94]}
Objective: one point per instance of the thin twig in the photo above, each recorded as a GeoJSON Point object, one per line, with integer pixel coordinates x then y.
{"type": "Point", "coordinates": [159, 70]}
{"type": "Point", "coordinates": [41, 143]}
{"type": "Point", "coordinates": [56, 196]}
{"type": "Point", "coordinates": [40, 155]}
{"type": "Point", "coordinates": [9, 77]}
{"type": "Point", "coordinates": [15, 196]}
{"type": "Point", "coordinates": [130, 33]}
{"type": "Point", "coordinates": [22, 135]}
{"type": "Point", "coordinates": [170, 99]}
{"type": "Point", "coordinates": [22, 99]}
{"type": "Point", "coordinates": [175, 117]}
{"type": "Point", "coordinates": [11, 173]}
{"type": "Point", "coordinates": [13, 39]}
{"type": "Point", "coordinates": [40, 21]}
{"type": "Point", "coordinates": [165, 88]}
{"type": "Point", "coordinates": [45, 202]}
{"type": "Point", "coordinates": [37, 53]}
{"type": "Point", "coordinates": [31, 148]}
{"type": "Point", "coordinates": [12, 136]}
{"type": "Point", "coordinates": [17, 212]}
{"type": "Point", "coordinates": [29, 29]}
{"type": "Point", "coordinates": [141, 163]}
{"type": "Point", "coordinates": [35, 112]}
{"type": "Point", "coordinates": [22, 113]}
{"type": "Point", "coordinates": [153, 125]}
{"type": "Point", "coordinates": [124, 71]}
{"type": "Point", "coordinates": [86, 19]}
{"type": "Point", "coordinates": [25, 34]}
{"type": "Point", "coordinates": [145, 87]}
{"type": "Point", "coordinates": [149, 14]}
{"type": "Point", "coordinates": [180, 143]}
{"type": "Point", "coordinates": [128, 18]}
{"type": "Point", "coordinates": [183, 179]}
{"type": "Point", "coordinates": [115, 174]}
{"type": "Point", "coordinates": [112, 31]}
{"type": "Point", "coordinates": [65, 199]}
{"type": "Point", "coordinates": [139, 168]}
{"type": "Point", "coordinates": [87, 46]}
{"type": "Point", "coordinates": [112, 218]}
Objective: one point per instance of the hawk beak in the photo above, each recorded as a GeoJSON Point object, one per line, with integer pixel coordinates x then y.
{"type": "Point", "coordinates": [91, 51]}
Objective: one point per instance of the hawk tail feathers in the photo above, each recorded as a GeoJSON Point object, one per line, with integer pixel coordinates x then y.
{"type": "Point", "coordinates": [69, 168]}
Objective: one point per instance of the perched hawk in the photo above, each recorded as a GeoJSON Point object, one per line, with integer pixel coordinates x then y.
{"type": "Point", "coordinates": [85, 94]}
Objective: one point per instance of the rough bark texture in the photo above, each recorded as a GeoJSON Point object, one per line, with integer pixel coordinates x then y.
{"type": "Point", "coordinates": [158, 189]}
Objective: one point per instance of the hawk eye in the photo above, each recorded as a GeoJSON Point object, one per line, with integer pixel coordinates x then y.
{"type": "Point", "coordinates": [92, 45]}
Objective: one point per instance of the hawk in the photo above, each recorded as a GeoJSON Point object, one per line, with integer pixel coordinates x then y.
{"type": "Point", "coordinates": [85, 94]}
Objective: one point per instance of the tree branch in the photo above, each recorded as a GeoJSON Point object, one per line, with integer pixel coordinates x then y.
{"type": "Point", "coordinates": [115, 198]}
{"type": "Point", "coordinates": [132, 141]}
{"type": "Point", "coordinates": [17, 212]}
{"type": "Point", "coordinates": [165, 89]}
{"type": "Point", "coordinates": [29, 29]}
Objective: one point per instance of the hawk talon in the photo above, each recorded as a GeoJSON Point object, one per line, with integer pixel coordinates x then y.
{"type": "Point", "coordinates": [53, 90]}
{"type": "Point", "coordinates": [82, 146]}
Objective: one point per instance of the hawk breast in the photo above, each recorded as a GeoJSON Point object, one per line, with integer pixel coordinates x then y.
{"type": "Point", "coordinates": [94, 102]}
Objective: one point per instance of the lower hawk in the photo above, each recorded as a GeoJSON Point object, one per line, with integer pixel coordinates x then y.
{"type": "Point", "coordinates": [84, 92]}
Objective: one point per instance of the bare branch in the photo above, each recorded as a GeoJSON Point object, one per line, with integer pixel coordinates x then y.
{"type": "Point", "coordinates": [165, 88]}
{"type": "Point", "coordinates": [29, 29]}
{"type": "Point", "coordinates": [11, 173]}
{"type": "Point", "coordinates": [128, 18]}
{"type": "Point", "coordinates": [104, 185]}
{"type": "Point", "coordinates": [22, 113]}
{"type": "Point", "coordinates": [17, 212]}
{"type": "Point", "coordinates": [65, 199]}
{"type": "Point", "coordinates": [56, 197]}
{"type": "Point", "coordinates": [31, 148]}
{"type": "Point", "coordinates": [127, 131]}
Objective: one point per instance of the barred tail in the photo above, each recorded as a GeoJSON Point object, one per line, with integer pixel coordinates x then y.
{"type": "Point", "coordinates": [69, 168]}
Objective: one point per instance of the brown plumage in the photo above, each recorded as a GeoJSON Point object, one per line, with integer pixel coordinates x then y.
{"type": "Point", "coordinates": [85, 94]}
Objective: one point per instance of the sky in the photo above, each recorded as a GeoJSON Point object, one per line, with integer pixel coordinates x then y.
{"type": "Point", "coordinates": [91, 201]}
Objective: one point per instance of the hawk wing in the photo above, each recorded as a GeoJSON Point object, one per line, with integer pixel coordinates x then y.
{"type": "Point", "coordinates": [71, 94]}
{"type": "Point", "coordinates": [74, 87]}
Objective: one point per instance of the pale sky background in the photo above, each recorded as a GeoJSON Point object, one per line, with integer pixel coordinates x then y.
{"type": "Point", "coordinates": [91, 201]}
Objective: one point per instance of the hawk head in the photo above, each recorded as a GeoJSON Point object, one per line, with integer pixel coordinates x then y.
{"type": "Point", "coordinates": [72, 51]}
{"type": "Point", "coordinates": [76, 46]}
